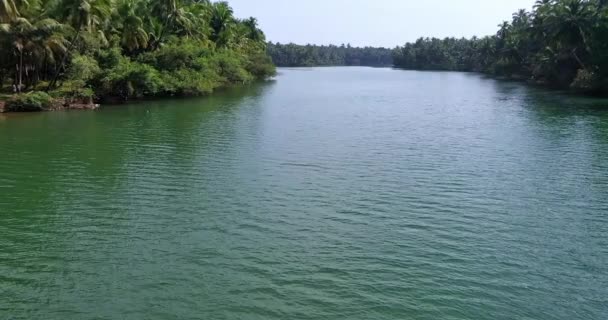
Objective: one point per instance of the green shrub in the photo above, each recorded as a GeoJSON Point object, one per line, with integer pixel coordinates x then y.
{"type": "Point", "coordinates": [260, 66]}
{"type": "Point", "coordinates": [177, 54]}
{"type": "Point", "coordinates": [109, 58]}
{"type": "Point", "coordinates": [193, 67]}
{"type": "Point", "coordinates": [129, 79]}
{"type": "Point", "coordinates": [83, 68]}
{"type": "Point", "coordinates": [77, 86]}
{"type": "Point", "coordinates": [32, 101]}
{"type": "Point", "coordinates": [181, 66]}
{"type": "Point", "coordinates": [231, 67]}
{"type": "Point", "coordinates": [74, 92]}
{"type": "Point", "coordinates": [190, 82]}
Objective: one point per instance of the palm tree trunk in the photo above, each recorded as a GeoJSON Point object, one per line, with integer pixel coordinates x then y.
{"type": "Point", "coordinates": [63, 60]}
{"type": "Point", "coordinates": [584, 38]}
{"type": "Point", "coordinates": [45, 67]}
{"type": "Point", "coordinates": [20, 84]}
{"type": "Point", "coordinates": [35, 77]}
{"type": "Point", "coordinates": [580, 62]}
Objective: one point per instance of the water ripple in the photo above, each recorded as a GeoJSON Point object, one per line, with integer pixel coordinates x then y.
{"type": "Point", "coordinates": [342, 193]}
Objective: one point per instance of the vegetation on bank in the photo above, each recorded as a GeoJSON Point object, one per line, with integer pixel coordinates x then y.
{"type": "Point", "coordinates": [561, 43]}
{"type": "Point", "coordinates": [293, 55]}
{"type": "Point", "coordinates": [61, 52]}
{"type": "Point", "coordinates": [80, 50]}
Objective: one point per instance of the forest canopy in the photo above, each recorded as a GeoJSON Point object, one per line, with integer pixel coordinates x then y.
{"type": "Point", "coordinates": [561, 43]}
{"type": "Point", "coordinates": [98, 49]}
{"type": "Point", "coordinates": [127, 48]}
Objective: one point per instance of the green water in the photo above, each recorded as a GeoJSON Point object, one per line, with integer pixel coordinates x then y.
{"type": "Point", "coordinates": [332, 193]}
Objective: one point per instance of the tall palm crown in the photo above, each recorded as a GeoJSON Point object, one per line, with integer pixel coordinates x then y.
{"type": "Point", "coordinates": [222, 20]}
{"type": "Point", "coordinates": [133, 35]}
{"type": "Point", "coordinates": [85, 14]}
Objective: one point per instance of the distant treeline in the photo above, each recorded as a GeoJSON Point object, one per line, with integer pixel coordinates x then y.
{"type": "Point", "coordinates": [562, 43]}
{"type": "Point", "coordinates": [293, 55]}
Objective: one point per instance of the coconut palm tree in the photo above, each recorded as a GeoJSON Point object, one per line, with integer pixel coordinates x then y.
{"type": "Point", "coordinates": [199, 15]}
{"type": "Point", "coordinates": [82, 15]}
{"type": "Point", "coordinates": [85, 15]}
{"type": "Point", "coordinates": [569, 23]}
{"type": "Point", "coordinates": [253, 31]}
{"type": "Point", "coordinates": [163, 8]}
{"type": "Point", "coordinates": [133, 35]}
{"type": "Point", "coordinates": [222, 21]}
{"type": "Point", "coordinates": [155, 30]}
{"type": "Point", "coordinates": [34, 46]}
{"type": "Point", "coordinates": [179, 18]}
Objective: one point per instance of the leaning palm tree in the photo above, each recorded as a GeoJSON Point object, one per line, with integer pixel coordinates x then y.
{"type": "Point", "coordinates": [82, 15]}
{"type": "Point", "coordinates": [569, 23]}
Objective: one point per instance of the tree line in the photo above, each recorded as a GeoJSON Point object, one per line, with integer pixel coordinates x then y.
{"type": "Point", "coordinates": [85, 49]}
{"type": "Point", "coordinates": [293, 55]}
{"type": "Point", "coordinates": [561, 43]}
{"type": "Point", "coordinates": [127, 48]}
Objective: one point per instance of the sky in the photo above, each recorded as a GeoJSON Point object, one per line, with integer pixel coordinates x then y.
{"type": "Point", "coordinates": [385, 23]}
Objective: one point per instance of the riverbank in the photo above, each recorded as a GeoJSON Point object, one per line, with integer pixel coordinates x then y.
{"type": "Point", "coordinates": [66, 66]}
{"type": "Point", "coordinates": [576, 91]}
{"type": "Point", "coordinates": [38, 101]}
{"type": "Point", "coordinates": [540, 46]}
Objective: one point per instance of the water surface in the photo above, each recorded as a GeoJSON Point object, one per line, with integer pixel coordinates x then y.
{"type": "Point", "coordinates": [330, 193]}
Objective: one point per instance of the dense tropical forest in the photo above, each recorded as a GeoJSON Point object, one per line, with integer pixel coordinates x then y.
{"type": "Point", "coordinates": [293, 55]}
{"type": "Point", "coordinates": [63, 51]}
{"type": "Point", "coordinates": [80, 50]}
{"type": "Point", "coordinates": [561, 43]}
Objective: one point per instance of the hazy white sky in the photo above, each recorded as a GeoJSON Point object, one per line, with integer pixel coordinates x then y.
{"type": "Point", "coordinates": [375, 22]}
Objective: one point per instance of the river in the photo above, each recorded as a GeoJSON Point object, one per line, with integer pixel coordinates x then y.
{"type": "Point", "coordinates": [328, 193]}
